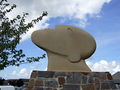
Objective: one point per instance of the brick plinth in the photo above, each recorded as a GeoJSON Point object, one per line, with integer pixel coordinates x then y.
{"type": "Point", "coordinates": [49, 80]}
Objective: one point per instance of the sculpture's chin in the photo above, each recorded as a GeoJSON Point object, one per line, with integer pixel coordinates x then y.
{"type": "Point", "coordinates": [61, 63]}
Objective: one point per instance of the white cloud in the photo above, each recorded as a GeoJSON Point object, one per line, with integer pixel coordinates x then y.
{"type": "Point", "coordinates": [79, 9]}
{"type": "Point", "coordinates": [25, 72]}
{"type": "Point", "coordinates": [103, 66]}
{"type": "Point", "coordinates": [75, 8]}
{"type": "Point", "coordinates": [22, 73]}
{"type": "Point", "coordinates": [45, 69]}
{"type": "Point", "coordinates": [41, 25]}
{"type": "Point", "coordinates": [100, 66]}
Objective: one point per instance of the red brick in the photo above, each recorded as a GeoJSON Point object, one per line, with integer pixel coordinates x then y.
{"type": "Point", "coordinates": [109, 76]}
{"type": "Point", "coordinates": [39, 83]}
{"type": "Point", "coordinates": [61, 80]}
{"type": "Point", "coordinates": [88, 87]}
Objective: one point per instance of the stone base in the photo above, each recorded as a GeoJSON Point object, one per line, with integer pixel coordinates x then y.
{"type": "Point", "coordinates": [49, 80]}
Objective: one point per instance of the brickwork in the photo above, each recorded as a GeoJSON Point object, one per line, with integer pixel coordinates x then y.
{"type": "Point", "coordinates": [48, 80]}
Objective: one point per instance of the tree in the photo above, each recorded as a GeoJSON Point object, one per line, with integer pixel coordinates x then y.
{"type": "Point", "coordinates": [2, 81]}
{"type": "Point", "coordinates": [10, 36]}
{"type": "Point", "coordinates": [12, 82]}
{"type": "Point", "coordinates": [20, 83]}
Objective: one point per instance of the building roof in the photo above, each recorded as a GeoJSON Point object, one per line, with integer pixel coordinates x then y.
{"type": "Point", "coordinates": [116, 75]}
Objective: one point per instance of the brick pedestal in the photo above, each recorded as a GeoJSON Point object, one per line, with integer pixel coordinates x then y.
{"type": "Point", "coordinates": [49, 80]}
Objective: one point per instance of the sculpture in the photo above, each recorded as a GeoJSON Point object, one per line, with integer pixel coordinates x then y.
{"type": "Point", "coordinates": [67, 47]}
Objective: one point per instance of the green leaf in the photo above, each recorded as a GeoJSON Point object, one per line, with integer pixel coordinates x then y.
{"type": "Point", "coordinates": [11, 31]}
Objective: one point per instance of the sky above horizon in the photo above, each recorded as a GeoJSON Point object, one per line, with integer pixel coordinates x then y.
{"type": "Point", "coordinates": [101, 18]}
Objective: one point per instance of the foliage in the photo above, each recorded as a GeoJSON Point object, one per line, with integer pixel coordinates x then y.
{"type": "Point", "coordinates": [10, 36]}
{"type": "Point", "coordinates": [20, 83]}
{"type": "Point", "coordinates": [2, 81]}
{"type": "Point", "coordinates": [16, 82]}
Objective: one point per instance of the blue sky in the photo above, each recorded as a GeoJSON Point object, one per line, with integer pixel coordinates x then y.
{"type": "Point", "coordinates": [101, 18]}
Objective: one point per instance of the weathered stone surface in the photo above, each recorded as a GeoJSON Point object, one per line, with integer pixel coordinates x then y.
{"type": "Point", "coordinates": [105, 86]}
{"type": "Point", "coordinates": [29, 88]}
{"type": "Point", "coordinates": [88, 87]}
{"type": "Point", "coordinates": [61, 80]}
{"type": "Point", "coordinates": [85, 73]}
{"type": "Point", "coordinates": [101, 75]}
{"type": "Point", "coordinates": [96, 80]}
{"type": "Point", "coordinates": [57, 74]}
{"type": "Point", "coordinates": [97, 86]}
{"type": "Point", "coordinates": [71, 81]}
{"type": "Point", "coordinates": [39, 83]}
{"type": "Point", "coordinates": [84, 79]}
{"type": "Point", "coordinates": [74, 78]}
{"type": "Point", "coordinates": [31, 83]}
{"type": "Point", "coordinates": [34, 74]}
{"type": "Point", "coordinates": [47, 74]}
{"type": "Point", "coordinates": [48, 89]}
{"type": "Point", "coordinates": [90, 79]}
{"type": "Point", "coordinates": [52, 83]}
{"type": "Point", "coordinates": [108, 84]}
{"type": "Point", "coordinates": [109, 76]}
{"type": "Point", "coordinates": [37, 88]}
{"type": "Point", "coordinates": [71, 87]}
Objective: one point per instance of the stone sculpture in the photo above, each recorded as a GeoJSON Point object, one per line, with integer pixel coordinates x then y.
{"type": "Point", "coordinates": [67, 47]}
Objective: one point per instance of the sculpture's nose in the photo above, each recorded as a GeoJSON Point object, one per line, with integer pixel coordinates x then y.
{"type": "Point", "coordinates": [34, 36]}
{"type": "Point", "coordinates": [38, 37]}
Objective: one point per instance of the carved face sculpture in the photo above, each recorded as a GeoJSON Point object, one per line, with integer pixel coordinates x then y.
{"type": "Point", "coordinates": [69, 41]}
